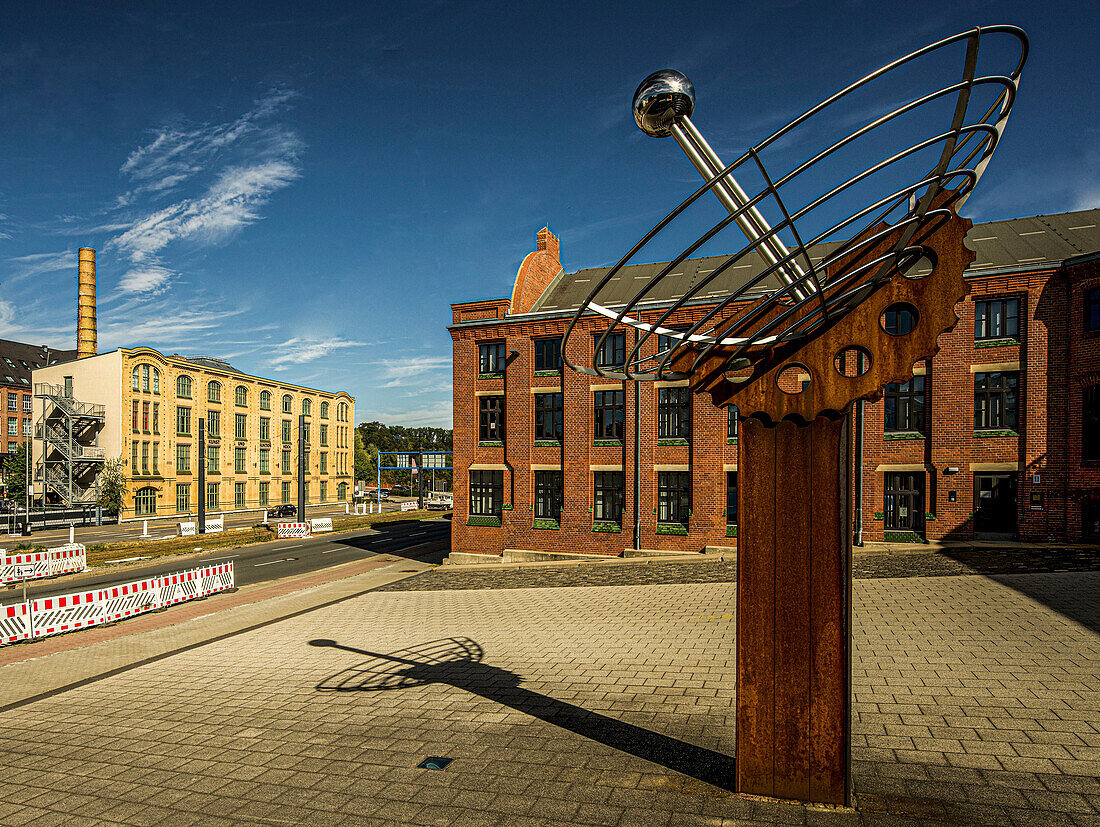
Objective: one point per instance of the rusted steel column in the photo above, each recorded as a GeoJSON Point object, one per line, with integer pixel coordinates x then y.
{"type": "Point", "coordinates": [793, 611]}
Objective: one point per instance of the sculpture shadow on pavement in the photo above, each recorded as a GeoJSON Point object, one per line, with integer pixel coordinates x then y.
{"type": "Point", "coordinates": [458, 662]}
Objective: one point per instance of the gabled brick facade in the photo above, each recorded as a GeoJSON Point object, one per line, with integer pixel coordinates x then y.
{"type": "Point", "coordinates": [942, 464]}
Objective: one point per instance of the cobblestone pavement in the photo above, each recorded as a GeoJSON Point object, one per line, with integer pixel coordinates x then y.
{"type": "Point", "coordinates": [651, 571]}
{"type": "Point", "coordinates": [976, 701]}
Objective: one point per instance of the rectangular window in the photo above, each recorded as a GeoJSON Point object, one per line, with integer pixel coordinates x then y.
{"type": "Point", "coordinates": [286, 461]}
{"type": "Point", "coordinates": [183, 459]}
{"type": "Point", "coordinates": [674, 413]}
{"type": "Point", "coordinates": [265, 429]}
{"type": "Point", "coordinates": [673, 496]}
{"type": "Point", "coordinates": [490, 358]}
{"type": "Point", "coordinates": [183, 497]}
{"type": "Point", "coordinates": [322, 437]}
{"type": "Point", "coordinates": [607, 496]}
{"type": "Point", "coordinates": [183, 421]}
{"type": "Point", "coordinates": [13, 426]}
{"type": "Point", "coordinates": [324, 462]}
{"type": "Point", "coordinates": [264, 487]}
{"type": "Point", "coordinates": [607, 414]}
{"type": "Point", "coordinates": [239, 461]}
{"type": "Point", "coordinates": [13, 402]}
{"type": "Point", "coordinates": [212, 459]}
{"type": "Point", "coordinates": [156, 417]}
{"type": "Point", "coordinates": [135, 417]}
{"type": "Point", "coordinates": [145, 417]}
{"type": "Point", "coordinates": [286, 430]}
{"type": "Point", "coordinates": [145, 458]}
{"type": "Point", "coordinates": [1090, 424]}
{"type": "Point", "coordinates": [731, 498]}
{"type": "Point", "coordinates": [238, 495]}
{"type": "Point", "coordinates": [156, 457]}
{"type": "Point", "coordinates": [27, 404]}
{"type": "Point", "coordinates": [548, 354]}
{"type": "Point", "coordinates": [548, 416]}
{"type": "Point", "coordinates": [904, 404]}
{"type": "Point", "coordinates": [732, 417]}
{"type": "Point", "coordinates": [997, 319]}
{"type": "Point", "coordinates": [1092, 311]}
{"type": "Point", "coordinates": [903, 507]}
{"type": "Point", "coordinates": [284, 491]}
{"type": "Point", "coordinates": [486, 493]}
{"type": "Point", "coordinates": [612, 352]}
{"type": "Point", "coordinates": [666, 343]}
{"type": "Point", "coordinates": [324, 491]}
{"type": "Point", "coordinates": [213, 424]}
{"type": "Point", "coordinates": [134, 458]}
{"type": "Point", "coordinates": [995, 400]}
{"type": "Point", "coordinates": [240, 426]}
{"type": "Point", "coordinates": [490, 418]}
{"type": "Point", "coordinates": [265, 460]}
{"type": "Point", "coordinates": [548, 495]}
{"type": "Point", "coordinates": [211, 495]}
{"type": "Point", "coordinates": [26, 427]}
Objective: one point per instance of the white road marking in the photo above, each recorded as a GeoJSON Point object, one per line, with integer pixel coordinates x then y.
{"type": "Point", "coordinates": [127, 559]}
{"type": "Point", "coordinates": [273, 562]}
{"type": "Point", "coordinates": [298, 545]}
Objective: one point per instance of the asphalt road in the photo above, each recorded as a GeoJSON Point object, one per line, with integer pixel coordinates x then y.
{"type": "Point", "coordinates": [159, 529]}
{"type": "Point", "coordinates": [427, 540]}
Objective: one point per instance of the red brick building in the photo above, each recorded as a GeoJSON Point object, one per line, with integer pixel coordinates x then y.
{"type": "Point", "coordinates": [17, 360]}
{"type": "Point", "coordinates": [997, 436]}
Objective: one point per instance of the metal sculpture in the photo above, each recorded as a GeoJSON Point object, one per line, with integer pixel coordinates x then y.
{"type": "Point", "coordinates": [851, 281]}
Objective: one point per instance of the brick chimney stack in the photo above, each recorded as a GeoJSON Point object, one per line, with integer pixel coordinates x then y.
{"type": "Point", "coordinates": [86, 305]}
{"type": "Point", "coordinates": [536, 272]}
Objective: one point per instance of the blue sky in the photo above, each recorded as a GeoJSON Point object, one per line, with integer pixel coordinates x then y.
{"type": "Point", "coordinates": [303, 189]}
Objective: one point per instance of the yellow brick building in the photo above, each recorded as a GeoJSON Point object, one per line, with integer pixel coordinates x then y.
{"type": "Point", "coordinates": [152, 404]}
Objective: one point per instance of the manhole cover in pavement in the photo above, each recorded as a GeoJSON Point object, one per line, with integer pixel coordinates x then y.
{"type": "Point", "coordinates": [434, 763]}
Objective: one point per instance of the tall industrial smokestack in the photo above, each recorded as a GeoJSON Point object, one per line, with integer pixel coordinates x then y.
{"type": "Point", "coordinates": [85, 318]}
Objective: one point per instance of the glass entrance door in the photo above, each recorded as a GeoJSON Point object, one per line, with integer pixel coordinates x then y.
{"type": "Point", "coordinates": [995, 504]}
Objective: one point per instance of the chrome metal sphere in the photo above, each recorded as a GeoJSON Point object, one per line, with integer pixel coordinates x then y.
{"type": "Point", "coordinates": [660, 99]}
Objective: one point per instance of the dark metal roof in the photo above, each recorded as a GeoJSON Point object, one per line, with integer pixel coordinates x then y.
{"type": "Point", "coordinates": [1015, 243]}
{"type": "Point", "coordinates": [210, 362]}
{"type": "Point", "coordinates": [18, 359]}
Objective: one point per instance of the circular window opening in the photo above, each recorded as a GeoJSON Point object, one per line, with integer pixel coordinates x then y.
{"type": "Point", "coordinates": [793, 379]}
{"type": "Point", "coordinates": [852, 361]}
{"type": "Point", "coordinates": [917, 264]}
{"type": "Point", "coordinates": [899, 319]}
{"type": "Point", "coordinates": [738, 370]}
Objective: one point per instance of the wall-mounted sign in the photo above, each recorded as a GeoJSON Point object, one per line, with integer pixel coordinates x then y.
{"type": "Point", "coordinates": [1036, 500]}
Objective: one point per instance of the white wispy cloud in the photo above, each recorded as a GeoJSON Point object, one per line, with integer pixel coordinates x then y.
{"type": "Point", "coordinates": [398, 372]}
{"type": "Point", "coordinates": [244, 162]}
{"type": "Point", "coordinates": [298, 350]}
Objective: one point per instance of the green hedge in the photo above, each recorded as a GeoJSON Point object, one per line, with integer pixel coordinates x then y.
{"type": "Point", "coordinates": [550, 525]}
{"type": "Point", "coordinates": [607, 528]}
{"type": "Point", "coordinates": [671, 528]}
{"type": "Point", "coordinates": [488, 522]}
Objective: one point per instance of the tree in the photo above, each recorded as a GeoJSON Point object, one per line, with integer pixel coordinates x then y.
{"type": "Point", "coordinates": [15, 473]}
{"type": "Point", "coordinates": [112, 486]}
{"type": "Point", "coordinates": [366, 462]}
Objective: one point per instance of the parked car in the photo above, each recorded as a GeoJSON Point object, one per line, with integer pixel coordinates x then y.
{"type": "Point", "coordinates": [401, 490]}
{"type": "Point", "coordinates": [375, 493]}
{"type": "Point", "coordinates": [283, 511]}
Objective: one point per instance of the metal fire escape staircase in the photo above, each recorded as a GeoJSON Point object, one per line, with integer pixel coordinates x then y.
{"type": "Point", "coordinates": [69, 433]}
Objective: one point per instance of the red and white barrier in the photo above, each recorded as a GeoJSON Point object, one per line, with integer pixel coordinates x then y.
{"type": "Point", "coordinates": [67, 612]}
{"type": "Point", "coordinates": [33, 565]}
{"type": "Point", "coordinates": [292, 530]}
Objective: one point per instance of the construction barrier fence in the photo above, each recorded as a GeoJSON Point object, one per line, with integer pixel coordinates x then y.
{"type": "Point", "coordinates": [79, 610]}
{"type": "Point", "coordinates": [32, 565]}
{"type": "Point", "coordinates": [292, 530]}
{"type": "Point", "coordinates": [320, 524]}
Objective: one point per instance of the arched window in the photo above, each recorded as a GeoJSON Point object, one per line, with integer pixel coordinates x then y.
{"type": "Point", "coordinates": [341, 491]}
{"type": "Point", "coordinates": [342, 412]}
{"type": "Point", "coordinates": [286, 403]}
{"type": "Point", "coordinates": [214, 392]}
{"type": "Point", "coordinates": [265, 400]}
{"type": "Point", "coordinates": [145, 502]}
{"type": "Point", "coordinates": [145, 378]}
{"type": "Point", "coordinates": [240, 395]}
{"type": "Point", "coordinates": [324, 410]}
{"type": "Point", "coordinates": [307, 406]}
{"type": "Point", "coordinates": [137, 378]}
{"type": "Point", "coordinates": [156, 381]}
{"type": "Point", "coordinates": [1090, 424]}
{"type": "Point", "coordinates": [183, 387]}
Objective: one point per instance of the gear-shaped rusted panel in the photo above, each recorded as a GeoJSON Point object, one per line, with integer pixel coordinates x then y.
{"type": "Point", "coordinates": [932, 297]}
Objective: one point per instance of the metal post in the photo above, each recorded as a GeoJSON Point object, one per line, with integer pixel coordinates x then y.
{"type": "Point", "coordinates": [201, 527]}
{"type": "Point", "coordinates": [301, 468]}
{"type": "Point", "coordinates": [637, 466]}
{"type": "Point", "coordinates": [420, 483]}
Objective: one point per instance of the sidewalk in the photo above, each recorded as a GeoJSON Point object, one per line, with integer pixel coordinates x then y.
{"type": "Point", "coordinates": [976, 701]}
